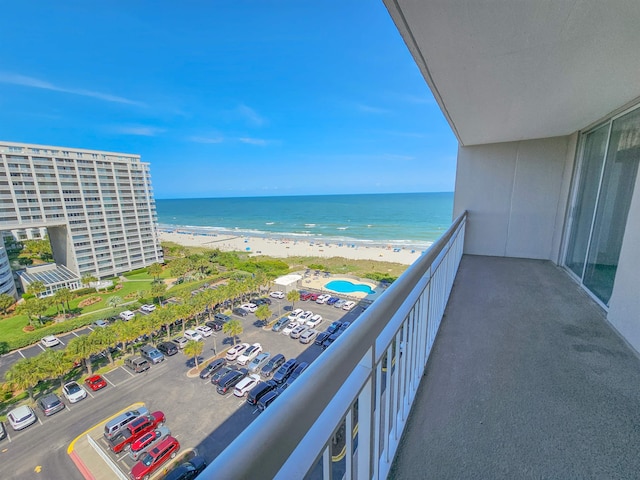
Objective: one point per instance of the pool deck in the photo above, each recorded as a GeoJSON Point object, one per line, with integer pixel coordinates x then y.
{"type": "Point", "coordinates": [318, 282]}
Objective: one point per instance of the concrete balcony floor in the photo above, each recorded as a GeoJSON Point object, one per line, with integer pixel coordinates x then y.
{"type": "Point", "coordinates": [526, 380]}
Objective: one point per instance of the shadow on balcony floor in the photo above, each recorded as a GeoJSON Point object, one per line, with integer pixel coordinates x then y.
{"type": "Point", "coordinates": [526, 380]}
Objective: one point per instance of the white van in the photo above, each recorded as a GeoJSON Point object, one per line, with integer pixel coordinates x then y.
{"type": "Point", "coordinates": [127, 315]}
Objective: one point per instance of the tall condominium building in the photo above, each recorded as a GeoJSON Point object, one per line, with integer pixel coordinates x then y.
{"type": "Point", "coordinates": [98, 207]}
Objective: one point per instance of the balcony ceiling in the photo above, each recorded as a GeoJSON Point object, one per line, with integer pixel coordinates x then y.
{"type": "Point", "coordinates": [505, 70]}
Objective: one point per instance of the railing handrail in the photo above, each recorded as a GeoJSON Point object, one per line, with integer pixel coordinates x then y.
{"type": "Point", "coordinates": [264, 446]}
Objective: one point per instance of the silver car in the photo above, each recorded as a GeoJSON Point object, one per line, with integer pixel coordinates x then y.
{"type": "Point", "coordinates": [258, 362]}
{"type": "Point", "coordinates": [21, 417]}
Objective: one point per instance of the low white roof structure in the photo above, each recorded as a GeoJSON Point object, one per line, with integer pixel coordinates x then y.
{"type": "Point", "coordinates": [287, 282]}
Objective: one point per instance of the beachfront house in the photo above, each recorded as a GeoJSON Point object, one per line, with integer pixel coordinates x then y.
{"type": "Point", "coordinates": [527, 312]}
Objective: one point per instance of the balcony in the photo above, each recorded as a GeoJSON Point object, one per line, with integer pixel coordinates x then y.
{"type": "Point", "coordinates": [526, 379]}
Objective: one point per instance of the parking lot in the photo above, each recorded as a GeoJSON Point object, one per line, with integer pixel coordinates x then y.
{"type": "Point", "coordinates": [196, 414]}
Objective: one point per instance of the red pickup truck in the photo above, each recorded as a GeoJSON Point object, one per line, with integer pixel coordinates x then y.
{"type": "Point", "coordinates": [134, 430]}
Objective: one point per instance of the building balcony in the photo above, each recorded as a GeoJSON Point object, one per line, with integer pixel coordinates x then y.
{"type": "Point", "coordinates": [525, 379]}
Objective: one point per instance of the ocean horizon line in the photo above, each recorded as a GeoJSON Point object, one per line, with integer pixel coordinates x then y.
{"type": "Point", "coordinates": [301, 195]}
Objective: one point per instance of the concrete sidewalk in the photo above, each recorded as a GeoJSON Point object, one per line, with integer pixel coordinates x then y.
{"type": "Point", "coordinates": [526, 380]}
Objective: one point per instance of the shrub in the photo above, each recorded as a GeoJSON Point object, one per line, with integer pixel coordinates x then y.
{"type": "Point", "coordinates": [84, 291]}
{"type": "Point", "coordinates": [89, 301]}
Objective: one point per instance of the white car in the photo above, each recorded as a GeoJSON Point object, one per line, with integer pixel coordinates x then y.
{"type": "Point", "coordinates": [127, 315]}
{"type": "Point", "coordinates": [349, 305]}
{"type": "Point", "coordinates": [258, 362]}
{"type": "Point", "coordinates": [180, 341]}
{"type": "Point", "coordinates": [295, 314]}
{"type": "Point", "coordinates": [148, 308]}
{"type": "Point", "coordinates": [314, 321]}
{"type": "Point", "coordinates": [287, 330]}
{"type": "Point", "coordinates": [192, 335]}
{"type": "Point", "coordinates": [305, 316]}
{"type": "Point", "coordinates": [74, 392]}
{"type": "Point", "coordinates": [249, 354]}
{"type": "Point", "coordinates": [308, 335]}
{"type": "Point", "coordinates": [323, 298]}
{"type": "Point", "coordinates": [204, 330]}
{"type": "Point", "coordinates": [21, 417]}
{"type": "Point", "coordinates": [236, 351]}
{"type": "Point", "coordinates": [277, 294]}
{"type": "Point", "coordinates": [296, 332]}
{"type": "Point", "coordinates": [246, 384]}
{"type": "Point", "coordinates": [50, 341]}
{"type": "Point", "coordinates": [101, 323]}
{"type": "Point", "coordinates": [249, 307]}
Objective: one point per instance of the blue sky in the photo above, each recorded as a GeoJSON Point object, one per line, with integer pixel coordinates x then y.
{"type": "Point", "coordinates": [242, 98]}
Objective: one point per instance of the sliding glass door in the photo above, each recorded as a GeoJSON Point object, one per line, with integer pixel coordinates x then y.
{"type": "Point", "coordinates": [609, 164]}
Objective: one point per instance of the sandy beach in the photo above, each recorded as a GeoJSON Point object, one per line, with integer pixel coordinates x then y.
{"type": "Point", "coordinates": [277, 247]}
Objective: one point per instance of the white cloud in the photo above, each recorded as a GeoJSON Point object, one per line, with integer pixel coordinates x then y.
{"type": "Point", "coordinates": [371, 109]}
{"type": "Point", "coordinates": [140, 130]}
{"type": "Point", "coordinates": [251, 115]}
{"type": "Point", "coordinates": [211, 139]}
{"type": "Point", "coordinates": [25, 81]}
{"type": "Point", "coordinates": [253, 141]}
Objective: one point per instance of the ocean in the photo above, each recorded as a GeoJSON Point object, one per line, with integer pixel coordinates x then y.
{"type": "Point", "coordinates": [399, 219]}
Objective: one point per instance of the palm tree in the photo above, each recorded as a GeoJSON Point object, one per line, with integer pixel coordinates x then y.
{"type": "Point", "coordinates": [155, 270]}
{"type": "Point", "coordinates": [193, 348]}
{"type": "Point", "coordinates": [88, 279]}
{"type": "Point", "coordinates": [33, 307]}
{"type": "Point", "coordinates": [158, 290]}
{"type": "Point", "coordinates": [104, 339]}
{"type": "Point", "coordinates": [114, 301]}
{"type": "Point", "coordinates": [55, 364]}
{"type": "Point", "coordinates": [166, 316]}
{"type": "Point", "coordinates": [127, 332]}
{"type": "Point", "coordinates": [263, 313]}
{"type": "Point", "coordinates": [233, 328]}
{"type": "Point", "coordinates": [36, 288]}
{"type": "Point", "coordinates": [293, 296]}
{"type": "Point", "coordinates": [81, 349]}
{"type": "Point", "coordinates": [25, 374]}
{"type": "Point", "coordinates": [63, 297]}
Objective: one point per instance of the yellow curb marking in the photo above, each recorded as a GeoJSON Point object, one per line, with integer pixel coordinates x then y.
{"type": "Point", "coordinates": [38, 469]}
{"type": "Point", "coordinates": [130, 407]}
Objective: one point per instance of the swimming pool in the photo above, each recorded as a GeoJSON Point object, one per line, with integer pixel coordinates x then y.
{"type": "Point", "coordinates": [342, 286]}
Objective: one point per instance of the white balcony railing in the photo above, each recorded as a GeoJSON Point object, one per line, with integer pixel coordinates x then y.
{"type": "Point", "coordinates": [364, 384]}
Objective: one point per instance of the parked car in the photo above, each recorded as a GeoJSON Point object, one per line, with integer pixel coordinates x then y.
{"type": "Point", "coordinates": [277, 294]}
{"type": "Point", "coordinates": [249, 354]}
{"type": "Point", "coordinates": [313, 297]}
{"type": "Point", "coordinates": [296, 332]}
{"type": "Point", "coordinates": [134, 430]}
{"type": "Point", "coordinates": [180, 342]}
{"type": "Point", "coordinates": [137, 364]}
{"type": "Point", "coordinates": [334, 327]}
{"type": "Point", "coordinates": [240, 311]}
{"type": "Point", "coordinates": [289, 328]}
{"type": "Point", "coordinates": [308, 335]}
{"type": "Point", "coordinates": [146, 442]}
{"type": "Point", "coordinates": [215, 325]}
{"type": "Point", "coordinates": [152, 354]}
{"type": "Point", "coordinates": [301, 367]}
{"type": "Point", "coordinates": [230, 380]}
{"type": "Point", "coordinates": [261, 301]}
{"type": "Point", "coordinates": [213, 367]}
{"type": "Point", "coordinates": [272, 365]}
{"type": "Point", "coordinates": [148, 308]}
{"type": "Point", "coordinates": [339, 304]}
{"type": "Point", "coordinates": [50, 404]}
{"type": "Point", "coordinates": [267, 399]}
{"type": "Point", "coordinates": [193, 335]}
{"type": "Point", "coordinates": [349, 305]}
{"type": "Point", "coordinates": [332, 300]}
{"type": "Point", "coordinates": [305, 296]}
{"type": "Point", "coordinates": [249, 307]}
{"type": "Point", "coordinates": [293, 316]}
{"type": "Point", "coordinates": [314, 321]}
{"type": "Point", "coordinates": [284, 371]}
{"type": "Point", "coordinates": [279, 325]}
{"type": "Point", "coordinates": [168, 348]}
{"type": "Point", "coordinates": [204, 330]}
{"type": "Point", "coordinates": [113, 426]}
{"type": "Point", "coordinates": [323, 298]}
{"type": "Point", "coordinates": [260, 390]}
{"type": "Point", "coordinates": [3, 431]}
{"type": "Point", "coordinates": [234, 352]}
{"type": "Point", "coordinates": [101, 323]}
{"type": "Point", "coordinates": [21, 417]}
{"type": "Point", "coordinates": [50, 341]}
{"type": "Point", "coordinates": [73, 392]}
{"type": "Point", "coordinates": [305, 316]}
{"type": "Point", "coordinates": [215, 378]}
{"type": "Point", "coordinates": [95, 382]}
{"type": "Point", "coordinates": [127, 315]}
{"type": "Point", "coordinates": [258, 362]}
{"type": "Point", "coordinates": [321, 338]}
{"type": "Point", "coordinates": [187, 470]}
{"type": "Point", "coordinates": [222, 317]}
{"type": "Point", "coordinates": [245, 385]}
{"type": "Point", "coordinates": [159, 454]}
{"type": "Point", "coordinates": [331, 338]}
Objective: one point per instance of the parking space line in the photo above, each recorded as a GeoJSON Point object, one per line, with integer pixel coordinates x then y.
{"type": "Point", "coordinates": [131, 374]}
{"type": "Point", "coordinates": [42, 346]}
{"type": "Point", "coordinates": [39, 421]}
{"type": "Point", "coordinates": [21, 354]}
{"type": "Point", "coordinates": [8, 436]}
{"type": "Point", "coordinates": [89, 393]}
{"type": "Point", "coordinates": [67, 407]}
{"type": "Point", "coordinates": [109, 381]}
{"type": "Point", "coordinates": [75, 334]}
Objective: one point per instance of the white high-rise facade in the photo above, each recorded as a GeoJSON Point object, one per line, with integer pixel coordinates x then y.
{"type": "Point", "coordinates": [98, 207]}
